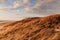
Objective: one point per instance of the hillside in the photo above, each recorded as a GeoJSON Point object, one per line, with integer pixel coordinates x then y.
{"type": "Point", "coordinates": [36, 28]}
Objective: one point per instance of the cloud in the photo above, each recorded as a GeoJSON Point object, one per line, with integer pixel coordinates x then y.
{"type": "Point", "coordinates": [5, 8]}
{"type": "Point", "coordinates": [17, 4]}
{"type": "Point", "coordinates": [45, 7]}
{"type": "Point", "coordinates": [2, 1]}
{"type": "Point", "coordinates": [40, 6]}
{"type": "Point", "coordinates": [27, 8]}
{"type": "Point", "coordinates": [39, 3]}
{"type": "Point", "coordinates": [21, 3]}
{"type": "Point", "coordinates": [50, 0]}
{"type": "Point", "coordinates": [26, 2]}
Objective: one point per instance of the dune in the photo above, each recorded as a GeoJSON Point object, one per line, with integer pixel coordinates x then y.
{"type": "Point", "coordinates": [35, 28]}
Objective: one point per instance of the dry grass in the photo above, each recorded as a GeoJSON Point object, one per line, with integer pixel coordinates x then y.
{"type": "Point", "coordinates": [45, 28]}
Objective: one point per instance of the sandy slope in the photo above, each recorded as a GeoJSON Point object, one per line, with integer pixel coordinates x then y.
{"type": "Point", "coordinates": [37, 28]}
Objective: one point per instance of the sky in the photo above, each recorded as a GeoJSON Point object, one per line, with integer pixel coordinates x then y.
{"type": "Point", "coordinates": [19, 9]}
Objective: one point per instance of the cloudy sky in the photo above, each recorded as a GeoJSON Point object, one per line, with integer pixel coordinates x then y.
{"type": "Point", "coordinates": [16, 9]}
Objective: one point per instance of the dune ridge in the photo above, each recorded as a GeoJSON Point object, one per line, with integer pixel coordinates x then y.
{"type": "Point", "coordinates": [36, 28]}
